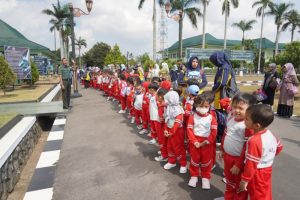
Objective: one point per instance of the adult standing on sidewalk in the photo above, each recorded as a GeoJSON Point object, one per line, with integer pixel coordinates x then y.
{"type": "Point", "coordinates": [65, 77]}
{"type": "Point", "coordinates": [270, 83]}
{"type": "Point", "coordinates": [288, 89]}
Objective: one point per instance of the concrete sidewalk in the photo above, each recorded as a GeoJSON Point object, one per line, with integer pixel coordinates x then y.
{"type": "Point", "coordinates": [104, 157]}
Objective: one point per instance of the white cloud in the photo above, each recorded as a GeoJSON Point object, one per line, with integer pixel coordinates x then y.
{"type": "Point", "coordinates": [120, 21]}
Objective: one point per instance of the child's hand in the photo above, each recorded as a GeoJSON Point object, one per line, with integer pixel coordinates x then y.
{"type": "Point", "coordinates": [243, 186]}
{"type": "Point", "coordinates": [166, 133]}
{"type": "Point", "coordinates": [204, 143]}
{"type": "Point", "coordinates": [235, 170]}
{"type": "Point", "coordinates": [197, 145]}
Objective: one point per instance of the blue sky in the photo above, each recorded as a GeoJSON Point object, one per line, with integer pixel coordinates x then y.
{"type": "Point", "coordinates": [119, 21]}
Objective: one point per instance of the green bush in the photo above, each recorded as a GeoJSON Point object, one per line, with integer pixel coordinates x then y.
{"type": "Point", "coordinates": [34, 74]}
{"type": "Point", "coordinates": [7, 76]}
{"type": "Point", "coordinates": [290, 55]}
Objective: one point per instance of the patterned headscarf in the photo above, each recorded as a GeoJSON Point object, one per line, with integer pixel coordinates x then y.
{"type": "Point", "coordinates": [173, 108]}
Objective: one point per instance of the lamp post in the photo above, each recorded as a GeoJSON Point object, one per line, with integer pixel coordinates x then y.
{"type": "Point", "coordinates": [77, 12]}
{"type": "Point", "coordinates": [179, 18]}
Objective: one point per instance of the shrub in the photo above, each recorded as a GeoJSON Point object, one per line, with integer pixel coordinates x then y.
{"type": "Point", "coordinates": [7, 76]}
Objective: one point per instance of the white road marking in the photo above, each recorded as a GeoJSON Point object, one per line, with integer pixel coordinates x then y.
{"type": "Point", "coordinates": [44, 194]}
{"type": "Point", "coordinates": [48, 159]}
{"type": "Point", "coordinates": [55, 135]}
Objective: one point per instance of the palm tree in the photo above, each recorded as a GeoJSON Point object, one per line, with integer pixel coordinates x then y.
{"type": "Point", "coordinates": [160, 2]}
{"type": "Point", "coordinates": [263, 4]}
{"type": "Point", "coordinates": [293, 20]}
{"type": "Point", "coordinates": [226, 10]}
{"type": "Point", "coordinates": [244, 26]}
{"type": "Point", "coordinates": [54, 28]}
{"type": "Point", "coordinates": [279, 11]}
{"type": "Point", "coordinates": [66, 32]}
{"type": "Point", "coordinates": [185, 7]}
{"type": "Point", "coordinates": [80, 42]}
{"type": "Point", "coordinates": [205, 4]}
{"type": "Point", "coordinates": [59, 13]}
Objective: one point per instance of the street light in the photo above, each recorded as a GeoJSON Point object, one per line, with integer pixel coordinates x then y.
{"type": "Point", "coordinates": [77, 12]}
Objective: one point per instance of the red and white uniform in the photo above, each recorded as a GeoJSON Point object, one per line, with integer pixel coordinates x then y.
{"type": "Point", "coordinates": [261, 150]}
{"type": "Point", "coordinates": [153, 111]}
{"type": "Point", "coordinates": [233, 146]}
{"type": "Point", "coordinates": [176, 150]}
{"type": "Point", "coordinates": [122, 95]}
{"type": "Point", "coordinates": [145, 110]}
{"type": "Point", "coordinates": [159, 128]}
{"type": "Point", "coordinates": [138, 101]}
{"type": "Point", "coordinates": [188, 107]}
{"type": "Point", "coordinates": [130, 99]}
{"type": "Point", "coordinates": [201, 128]}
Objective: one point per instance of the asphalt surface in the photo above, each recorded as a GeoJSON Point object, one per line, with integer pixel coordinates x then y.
{"type": "Point", "coordinates": [104, 157]}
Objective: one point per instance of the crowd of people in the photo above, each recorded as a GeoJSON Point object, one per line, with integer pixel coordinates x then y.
{"type": "Point", "coordinates": [171, 107]}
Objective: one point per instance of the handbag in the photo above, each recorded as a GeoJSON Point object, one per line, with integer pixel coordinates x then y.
{"type": "Point", "coordinates": [260, 95]}
{"type": "Point", "coordinates": [292, 90]}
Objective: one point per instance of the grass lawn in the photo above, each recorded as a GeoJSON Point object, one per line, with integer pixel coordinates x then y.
{"type": "Point", "coordinates": [6, 118]}
{"type": "Point", "coordinates": [27, 93]}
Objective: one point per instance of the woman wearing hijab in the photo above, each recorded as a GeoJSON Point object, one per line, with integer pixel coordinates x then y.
{"type": "Point", "coordinates": [193, 71]}
{"type": "Point", "coordinates": [224, 83]}
{"type": "Point", "coordinates": [174, 131]}
{"type": "Point", "coordinates": [174, 76]}
{"type": "Point", "coordinates": [164, 72]}
{"type": "Point", "coordinates": [156, 70]}
{"type": "Point", "coordinates": [287, 91]}
{"type": "Point", "coordinates": [270, 83]}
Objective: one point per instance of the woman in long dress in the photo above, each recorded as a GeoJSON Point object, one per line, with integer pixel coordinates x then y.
{"type": "Point", "coordinates": [270, 83]}
{"type": "Point", "coordinates": [286, 99]}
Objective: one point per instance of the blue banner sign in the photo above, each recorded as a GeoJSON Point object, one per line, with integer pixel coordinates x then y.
{"type": "Point", "coordinates": [232, 54]}
{"type": "Point", "coordinates": [18, 59]}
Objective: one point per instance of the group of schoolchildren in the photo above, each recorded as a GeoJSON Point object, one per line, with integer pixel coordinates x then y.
{"type": "Point", "coordinates": [188, 126]}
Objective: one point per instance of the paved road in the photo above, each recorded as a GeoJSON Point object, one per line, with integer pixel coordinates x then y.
{"type": "Point", "coordinates": [103, 157]}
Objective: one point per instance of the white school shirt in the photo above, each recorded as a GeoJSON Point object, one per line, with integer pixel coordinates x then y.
{"type": "Point", "coordinates": [235, 137]}
{"type": "Point", "coordinates": [138, 102]}
{"type": "Point", "coordinates": [153, 109]}
{"type": "Point", "coordinates": [202, 125]}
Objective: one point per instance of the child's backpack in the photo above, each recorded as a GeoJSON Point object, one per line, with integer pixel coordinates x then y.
{"type": "Point", "coordinates": [221, 116]}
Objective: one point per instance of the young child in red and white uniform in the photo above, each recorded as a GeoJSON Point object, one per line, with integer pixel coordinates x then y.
{"type": "Point", "coordinates": [262, 148]}
{"type": "Point", "coordinates": [193, 91]}
{"type": "Point", "coordinates": [100, 80]}
{"type": "Point", "coordinates": [153, 111]}
{"type": "Point", "coordinates": [130, 97]}
{"type": "Point", "coordinates": [122, 94]}
{"type": "Point", "coordinates": [138, 101]}
{"type": "Point", "coordinates": [159, 126]}
{"type": "Point", "coordinates": [174, 132]}
{"type": "Point", "coordinates": [233, 145]}
{"type": "Point", "coordinates": [202, 131]}
{"type": "Point", "coordinates": [145, 108]}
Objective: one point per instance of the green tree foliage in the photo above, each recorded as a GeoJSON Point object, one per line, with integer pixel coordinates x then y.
{"type": "Point", "coordinates": [7, 76]}
{"type": "Point", "coordinates": [262, 61]}
{"type": "Point", "coordinates": [143, 59]}
{"type": "Point", "coordinates": [115, 56]}
{"type": "Point", "coordinates": [96, 55]}
{"type": "Point", "coordinates": [290, 55]}
{"type": "Point", "coordinates": [34, 73]}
